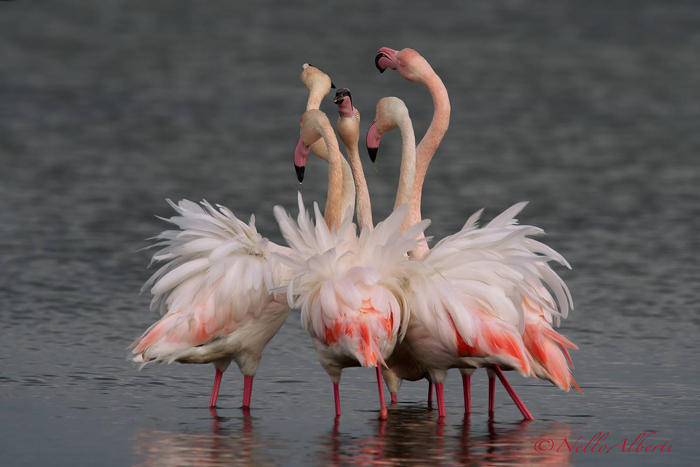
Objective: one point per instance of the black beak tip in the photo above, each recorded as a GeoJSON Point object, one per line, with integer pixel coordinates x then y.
{"type": "Point", "coordinates": [332, 85]}
{"type": "Point", "coordinates": [300, 173]}
{"type": "Point", "coordinates": [372, 153]}
{"type": "Point", "coordinates": [376, 62]}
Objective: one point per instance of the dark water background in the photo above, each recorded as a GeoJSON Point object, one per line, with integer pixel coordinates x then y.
{"type": "Point", "coordinates": [590, 110]}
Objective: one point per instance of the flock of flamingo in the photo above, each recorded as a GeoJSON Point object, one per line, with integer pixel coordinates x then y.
{"type": "Point", "coordinates": [484, 297]}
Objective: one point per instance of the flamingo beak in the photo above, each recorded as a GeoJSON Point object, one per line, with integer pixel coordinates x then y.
{"type": "Point", "coordinates": [386, 58]}
{"type": "Point", "coordinates": [373, 138]}
{"type": "Point", "coordinates": [301, 153]}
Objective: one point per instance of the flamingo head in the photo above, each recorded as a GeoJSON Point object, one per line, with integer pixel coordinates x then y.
{"type": "Point", "coordinates": [301, 153]}
{"type": "Point", "coordinates": [349, 121]}
{"type": "Point", "coordinates": [312, 78]}
{"type": "Point", "coordinates": [408, 62]}
{"type": "Point", "coordinates": [389, 111]}
{"type": "Point", "coordinates": [343, 99]}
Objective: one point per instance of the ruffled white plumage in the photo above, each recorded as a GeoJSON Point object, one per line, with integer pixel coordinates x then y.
{"type": "Point", "coordinates": [481, 287]}
{"type": "Point", "coordinates": [219, 276]}
{"type": "Point", "coordinates": [341, 279]}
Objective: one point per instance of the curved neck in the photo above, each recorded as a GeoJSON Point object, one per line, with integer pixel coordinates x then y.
{"type": "Point", "coordinates": [426, 149]}
{"type": "Point", "coordinates": [404, 193]}
{"type": "Point", "coordinates": [315, 99]}
{"type": "Point", "coordinates": [430, 142]}
{"type": "Point", "coordinates": [364, 205]}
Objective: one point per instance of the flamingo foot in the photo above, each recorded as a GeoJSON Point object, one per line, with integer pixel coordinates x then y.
{"type": "Point", "coordinates": [466, 380]}
{"type": "Point", "coordinates": [440, 400]}
{"type": "Point", "coordinates": [383, 414]}
{"type": "Point", "coordinates": [336, 397]}
{"type": "Point", "coordinates": [513, 395]}
{"type": "Point", "coordinates": [247, 391]}
{"type": "Point", "coordinates": [394, 399]}
{"type": "Point", "coordinates": [492, 394]}
{"type": "Point", "coordinates": [430, 395]}
{"type": "Point", "coordinates": [215, 389]}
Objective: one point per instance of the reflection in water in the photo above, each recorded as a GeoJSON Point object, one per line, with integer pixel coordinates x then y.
{"type": "Point", "coordinates": [414, 434]}
{"type": "Point", "coordinates": [222, 446]}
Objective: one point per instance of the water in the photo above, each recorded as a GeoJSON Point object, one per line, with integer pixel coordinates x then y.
{"type": "Point", "coordinates": [589, 111]}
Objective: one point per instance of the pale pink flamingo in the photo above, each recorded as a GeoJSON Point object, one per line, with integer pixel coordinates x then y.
{"type": "Point", "coordinates": [529, 306]}
{"type": "Point", "coordinates": [349, 132]}
{"type": "Point", "coordinates": [392, 113]}
{"type": "Point", "coordinates": [349, 287]}
{"type": "Point", "coordinates": [215, 292]}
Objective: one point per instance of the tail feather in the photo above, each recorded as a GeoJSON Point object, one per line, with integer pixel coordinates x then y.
{"type": "Point", "coordinates": [551, 360]}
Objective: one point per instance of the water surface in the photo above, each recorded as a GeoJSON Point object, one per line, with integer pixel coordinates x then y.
{"type": "Point", "coordinates": [588, 111]}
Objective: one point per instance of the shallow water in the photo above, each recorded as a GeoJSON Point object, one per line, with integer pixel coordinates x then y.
{"type": "Point", "coordinates": [589, 111]}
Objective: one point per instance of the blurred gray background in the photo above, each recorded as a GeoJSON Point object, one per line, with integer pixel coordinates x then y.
{"type": "Point", "coordinates": [589, 110]}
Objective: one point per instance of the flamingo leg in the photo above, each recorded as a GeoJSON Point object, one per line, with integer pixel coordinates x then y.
{"type": "Point", "coordinates": [383, 414]}
{"type": "Point", "coordinates": [336, 397]}
{"type": "Point", "coordinates": [492, 393]}
{"type": "Point", "coordinates": [215, 389]}
{"type": "Point", "coordinates": [440, 400]}
{"type": "Point", "coordinates": [430, 395]}
{"type": "Point", "coordinates": [394, 398]}
{"type": "Point", "coordinates": [466, 380]}
{"type": "Point", "coordinates": [513, 395]}
{"type": "Point", "coordinates": [247, 391]}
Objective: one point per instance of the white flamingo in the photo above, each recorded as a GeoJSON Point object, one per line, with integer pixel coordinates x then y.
{"type": "Point", "coordinates": [498, 275]}
{"type": "Point", "coordinates": [215, 292]}
{"type": "Point", "coordinates": [349, 287]}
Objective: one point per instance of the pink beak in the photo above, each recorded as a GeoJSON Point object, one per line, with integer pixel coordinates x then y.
{"type": "Point", "coordinates": [373, 138]}
{"type": "Point", "coordinates": [301, 153]}
{"type": "Point", "coordinates": [386, 58]}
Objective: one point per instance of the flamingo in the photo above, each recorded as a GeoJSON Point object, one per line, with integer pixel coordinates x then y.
{"type": "Point", "coordinates": [529, 308]}
{"type": "Point", "coordinates": [349, 288]}
{"type": "Point", "coordinates": [391, 113]}
{"type": "Point", "coordinates": [215, 292]}
{"type": "Point", "coordinates": [348, 130]}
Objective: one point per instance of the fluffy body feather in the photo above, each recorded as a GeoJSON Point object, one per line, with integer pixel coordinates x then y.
{"type": "Point", "coordinates": [350, 288]}
{"type": "Point", "coordinates": [214, 292]}
{"type": "Point", "coordinates": [485, 288]}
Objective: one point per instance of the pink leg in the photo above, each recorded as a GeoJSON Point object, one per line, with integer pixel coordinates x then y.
{"type": "Point", "coordinates": [336, 395]}
{"type": "Point", "coordinates": [215, 389]}
{"type": "Point", "coordinates": [513, 395]}
{"type": "Point", "coordinates": [430, 394]}
{"type": "Point", "coordinates": [383, 414]}
{"type": "Point", "coordinates": [466, 380]}
{"type": "Point", "coordinates": [247, 391]}
{"type": "Point", "coordinates": [440, 400]}
{"type": "Point", "coordinates": [492, 394]}
{"type": "Point", "coordinates": [394, 398]}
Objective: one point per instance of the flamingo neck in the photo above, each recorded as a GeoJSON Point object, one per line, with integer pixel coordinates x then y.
{"type": "Point", "coordinates": [348, 189]}
{"type": "Point", "coordinates": [315, 99]}
{"type": "Point", "coordinates": [404, 193]}
{"type": "Point", "coordinates": [364, 205]}
{"type": "Point", "coordinates": [334, 210]}
{"type": "Point", "coordinates": [427, 147]}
